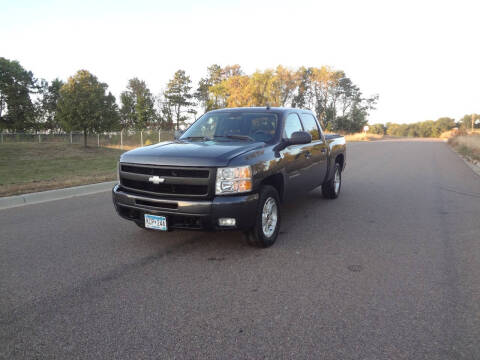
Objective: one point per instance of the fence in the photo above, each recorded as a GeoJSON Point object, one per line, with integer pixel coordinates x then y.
{"type": "Point", "coordinates": [121, 139]}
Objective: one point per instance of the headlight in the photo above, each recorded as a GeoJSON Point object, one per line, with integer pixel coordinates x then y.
{"type": "Point", "coordinates": [233, 180]}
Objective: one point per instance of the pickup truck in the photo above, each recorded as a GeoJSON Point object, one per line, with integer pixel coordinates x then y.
{"type": "Point", "coordinates": [230, 170]}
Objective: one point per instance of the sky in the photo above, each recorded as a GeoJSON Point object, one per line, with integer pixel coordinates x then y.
{"type": "Point", "coordinates": [421, 57]}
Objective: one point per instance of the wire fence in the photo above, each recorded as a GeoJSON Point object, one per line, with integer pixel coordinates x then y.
{"type": "Point", "coordinates": [125, 139]}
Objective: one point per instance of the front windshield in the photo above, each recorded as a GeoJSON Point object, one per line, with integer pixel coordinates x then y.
{"type": "Point", "coordinates": [259, 126]}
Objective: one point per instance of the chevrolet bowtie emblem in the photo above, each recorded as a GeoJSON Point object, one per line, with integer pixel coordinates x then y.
{"type": "Point", "coordinates": [156, 179]}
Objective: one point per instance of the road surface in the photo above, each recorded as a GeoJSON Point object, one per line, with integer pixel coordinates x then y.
{"type": "Point", "coordinates": [389, 270]}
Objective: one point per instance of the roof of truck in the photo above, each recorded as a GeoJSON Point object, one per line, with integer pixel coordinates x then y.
{"type": "Point", "coordinates": [262, 108]}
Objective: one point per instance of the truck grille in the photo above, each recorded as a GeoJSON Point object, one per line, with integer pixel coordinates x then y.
{"type": "Point", "coordinates": [173, 172]}
{"type": "Point", "coordinates": [177, 181]}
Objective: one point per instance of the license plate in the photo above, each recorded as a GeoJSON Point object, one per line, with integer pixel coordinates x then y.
{"type": "Point", "coordinates": [156, 222]}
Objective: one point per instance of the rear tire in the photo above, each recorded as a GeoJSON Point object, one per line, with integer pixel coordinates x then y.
{"type": "Point", "coordinates": [268, 219]}
{"type": "Point", "coordinates": [331, 189]}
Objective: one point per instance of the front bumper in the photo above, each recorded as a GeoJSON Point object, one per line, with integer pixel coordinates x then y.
{"type": "Point", "coordinates": [188, 214]}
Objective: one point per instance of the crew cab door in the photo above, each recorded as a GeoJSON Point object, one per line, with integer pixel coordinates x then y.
{"type": "Point", "coordinates": [318, 152]}
{"type": "Point", "coordinates": [296, 158]}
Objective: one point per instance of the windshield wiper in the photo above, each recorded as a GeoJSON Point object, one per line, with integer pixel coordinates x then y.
{"type": "Point", "coordinates": [204, 138]}
{"type": "Point", "coordinates": [239, 137]}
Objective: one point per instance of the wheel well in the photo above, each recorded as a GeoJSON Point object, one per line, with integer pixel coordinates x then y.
{"type": "Point", "coordinates": [277, 182]}
{"type": "Point", "coordinates": [339, 159]}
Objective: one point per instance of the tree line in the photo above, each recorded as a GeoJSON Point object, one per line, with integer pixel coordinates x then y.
{"type": "Point", "coordinates": [83, 103]}
{"type": "Point", "coordinates": [429, 128]}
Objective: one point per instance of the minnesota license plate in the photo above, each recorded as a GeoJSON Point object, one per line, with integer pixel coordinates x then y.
{"type": "Point", "coordinates": [156, 222]}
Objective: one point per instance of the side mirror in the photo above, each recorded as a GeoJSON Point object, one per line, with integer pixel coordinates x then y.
{"type": "Point", "coordinates": [299, 137]}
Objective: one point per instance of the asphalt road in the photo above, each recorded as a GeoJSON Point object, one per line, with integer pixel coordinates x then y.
{"type": "Point", "coordinates": [389, 270]}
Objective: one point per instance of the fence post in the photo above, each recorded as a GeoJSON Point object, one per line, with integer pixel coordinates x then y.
{"type": "Point", "coordinates": [121, 140]}
{"type": "Point", "coordinates": [98, 140]}
{"type": "Point", "coordinates": [71, 138]}
{"type": "Point", "coordinates": [141, 138]}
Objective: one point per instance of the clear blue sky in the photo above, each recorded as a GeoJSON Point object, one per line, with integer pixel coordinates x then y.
{"type": "Point", "coordinates": [421, 57]}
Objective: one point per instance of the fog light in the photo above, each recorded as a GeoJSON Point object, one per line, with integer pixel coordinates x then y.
{"type": "Point", "coordinates": [227, 222]}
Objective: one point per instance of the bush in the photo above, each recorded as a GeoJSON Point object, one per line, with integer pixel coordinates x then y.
{"type": "Point", "coordinates": [427, 128]}
{"type": "Point", "coordinates": [378, 129]}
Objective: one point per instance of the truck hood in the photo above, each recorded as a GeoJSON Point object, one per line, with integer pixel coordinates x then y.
{"type": "Point", "coordinates": [186, 153]}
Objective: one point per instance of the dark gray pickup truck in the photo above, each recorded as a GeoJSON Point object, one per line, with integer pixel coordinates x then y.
{"type": "Point", "coordinates": [230, 170]}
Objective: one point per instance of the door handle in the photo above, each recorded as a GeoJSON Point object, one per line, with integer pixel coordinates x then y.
{"type": "Point", "coordinates": [308, 155]}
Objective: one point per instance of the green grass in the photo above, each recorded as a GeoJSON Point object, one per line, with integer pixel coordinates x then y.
{"type": "Point", "coordinates": [29, 167]}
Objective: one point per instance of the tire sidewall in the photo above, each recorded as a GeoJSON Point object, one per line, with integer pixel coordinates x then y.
{"type": "Point", "coordinates": [337, 168]}
{"type": "Point", "coordinates": [265, 193]}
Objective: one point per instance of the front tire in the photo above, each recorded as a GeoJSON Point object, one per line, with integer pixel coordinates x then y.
{"type": "Point", "coordinates": [331, 189]}
{"type": "Point", "coordinates": [267, 224]}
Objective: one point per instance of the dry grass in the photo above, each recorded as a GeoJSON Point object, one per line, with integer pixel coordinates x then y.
{"type": "Point", "coordinates": [363, 137]}
{"type": "Point", "coordinates": [124, 147]}
{"type": "Point", "coordinates": [29, 167]}
{"type": "Point", "coordinates": [467, 145]}
{"type": "Point", "coordinates": [448, 134]}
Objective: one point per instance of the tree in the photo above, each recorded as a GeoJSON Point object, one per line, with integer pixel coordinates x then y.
{"type": "Point", "coordinates": [137, 106]}
{"type": "Point", "coordinates": [84, 105]}
{"type": "Point", "coordinates": [302, 95]}
{"type": "Point", "coordinates": [466, 121]}
{"type": "Point", "coordinates": [213, 90]}
{"type": "Point", "coordinates": [232, 70]}
{"type": "Point", "coordinates": [208, 99]}
{"type": "Point", "coordinates": [47, 104]}
{"type": "Point", "coordinates": [261, 89]}
{"type": "Point", "coordinates": [444, 124]}
{"type": "Point", "coordinates": [378, 129]}
{"type": "Point", "coordinates": [325, 91]}
{"type": "Point", "coordinates": [178, 97]}
{"type": "Point", "coordinates": [236, 90]}
{"type": "Point", "coordinates": [427, 128]}
{"type": "Point", "coordinates": [337, 101]}
{"type": "Point", "coordinates": [397, 129]}
{"type": "Point", "coordinates": [357, 117]}
{"type": "Point", "coordinates": [165, 113]}
{"type": "Point", "coordinates": [17, 111]}
{"type": "Point", "coordinates": [285, 84]}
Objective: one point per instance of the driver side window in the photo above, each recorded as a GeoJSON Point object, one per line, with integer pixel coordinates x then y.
{"type": "Point", "coordinates": [292, 124]}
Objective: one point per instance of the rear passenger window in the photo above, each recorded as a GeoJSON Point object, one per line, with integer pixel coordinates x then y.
{"type": "Point", "coordinates": [310, 125]}
{"type": "Point", "coordinates": [292, 124]}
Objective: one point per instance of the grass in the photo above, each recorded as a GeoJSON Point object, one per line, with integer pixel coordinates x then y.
{"type": "Point", "coordinates": [363, 137]}
{"type": "Point", "coordinates": [467, 145]}
{"type": "Point", "coordinates": [29, 167]}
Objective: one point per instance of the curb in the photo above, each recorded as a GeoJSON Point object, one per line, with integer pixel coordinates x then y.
{"type": "Point", "coordinates": [51, 195]}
